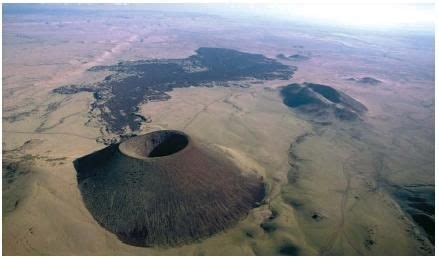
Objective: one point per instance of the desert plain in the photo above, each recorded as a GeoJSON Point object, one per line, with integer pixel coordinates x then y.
{"type": "Point", "coordinates": [333, 186]}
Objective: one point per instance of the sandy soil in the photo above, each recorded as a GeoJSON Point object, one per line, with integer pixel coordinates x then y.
{"type": "Point", "coordinates": [332, 196]}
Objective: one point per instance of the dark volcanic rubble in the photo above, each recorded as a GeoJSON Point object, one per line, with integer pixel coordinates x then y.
{"type": "Point", "coordinates": [132, 83]}
{"type": "Point", "coordinates": [164, 188]}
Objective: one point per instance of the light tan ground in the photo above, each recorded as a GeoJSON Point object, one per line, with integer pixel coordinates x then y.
{"type": "Point", "coordinates": [339, 176]}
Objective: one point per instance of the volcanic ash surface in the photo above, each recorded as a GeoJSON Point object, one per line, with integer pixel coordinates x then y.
{"type": "Point", "coordinates": [164, 188]}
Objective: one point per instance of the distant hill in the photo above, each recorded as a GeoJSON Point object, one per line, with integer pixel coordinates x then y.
{"type": "Point", "coordinates": [295, 57]}
{"type": "Point", "coordinates": [322, 102]}
{"type": "Point", "coordinates": [365, 80]}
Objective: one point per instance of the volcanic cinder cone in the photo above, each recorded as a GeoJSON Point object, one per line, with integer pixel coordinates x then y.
{"type": "Point", "coordinates": [164, 188]}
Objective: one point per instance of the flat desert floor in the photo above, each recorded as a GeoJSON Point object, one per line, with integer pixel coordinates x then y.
{"type": "Point", "coordinates": [343, 188]}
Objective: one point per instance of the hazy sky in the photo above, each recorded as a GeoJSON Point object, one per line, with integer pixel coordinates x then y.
{"type": "Point", "coordinates": [374, 15]}
{"type": "Point", "coordinates": [352, 14]}
{"type": "Point", "coordinates": [359, 14]}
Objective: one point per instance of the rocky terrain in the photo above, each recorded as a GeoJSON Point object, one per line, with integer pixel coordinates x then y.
{"type": "Point", "coordinates": [134, 83]}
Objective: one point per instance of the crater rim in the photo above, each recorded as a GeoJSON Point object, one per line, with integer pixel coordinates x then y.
{"type": "Point", "coordinates": [155, 145]}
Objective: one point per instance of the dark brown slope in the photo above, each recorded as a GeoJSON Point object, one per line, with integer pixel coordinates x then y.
{"type": "Point", "coordinates": [321, 102]}
{"type": "Point", "coordinates": [163, 188]}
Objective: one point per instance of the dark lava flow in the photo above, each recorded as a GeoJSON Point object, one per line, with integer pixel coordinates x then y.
{"type": "Point", "coordinates": [132, 83]}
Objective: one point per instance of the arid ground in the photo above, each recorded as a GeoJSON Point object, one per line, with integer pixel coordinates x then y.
{"type": "Point", "coordinates": [333, 186]}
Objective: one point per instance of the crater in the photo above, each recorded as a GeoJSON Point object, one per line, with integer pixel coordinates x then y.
{"type": "Point", "coordinates": [155, 144]}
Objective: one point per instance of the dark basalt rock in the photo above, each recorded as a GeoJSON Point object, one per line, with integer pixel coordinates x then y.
{"type": "Point", "coordinates": [136, 82]}
{"type": "Point", "coordinates": [418, 202]}
{"type": "Point", "coordinates": [164, 188]}
{"type": "Point", "coordinates": [289, 249]}
{"type": "Point", "coordinates": [72, 89]}
{"type": "Point", "coordinates": [322, 102]}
